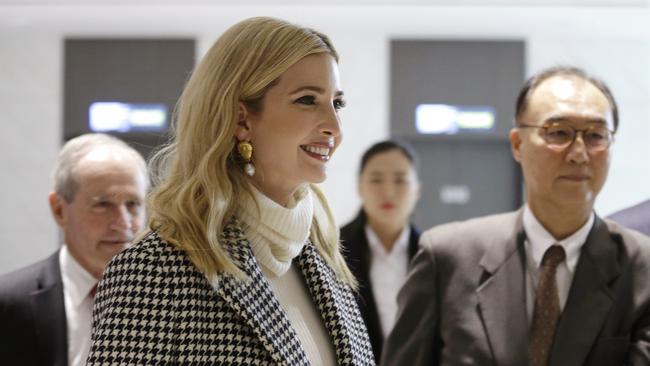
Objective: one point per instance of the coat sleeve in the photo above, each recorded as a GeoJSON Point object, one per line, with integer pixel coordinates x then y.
{"type": "Point", "coordinates": [18, 342]}
{"type": "Point", "coordinates": [639, 351]}
{"type": "Point", "coordinates": [414, 339]}
{"type": "Point", "coordinates": [134, 316]}
{"type": "Point", "coordinates": [639, 354]}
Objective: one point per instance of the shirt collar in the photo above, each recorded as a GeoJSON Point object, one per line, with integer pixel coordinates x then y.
{"type": "Point", "coordinates": [539, 239]}
{"type": "Point", "coordinates": [400, 244]}
{"type": "Point", "coordinates": [77, 282]}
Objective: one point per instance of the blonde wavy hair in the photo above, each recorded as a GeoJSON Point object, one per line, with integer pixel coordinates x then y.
{"type": "Point", "coordinates": [197, 178]}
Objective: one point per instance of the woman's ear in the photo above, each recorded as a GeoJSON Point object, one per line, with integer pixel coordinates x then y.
{"type": "Point", "coordinates": [243, 128]}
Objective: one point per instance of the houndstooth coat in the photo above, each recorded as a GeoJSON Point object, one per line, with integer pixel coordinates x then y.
{"type": "Point", "coordinates": [155, 308]}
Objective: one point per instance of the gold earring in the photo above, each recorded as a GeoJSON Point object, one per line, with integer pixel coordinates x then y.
{"type": "Point", "coordinates": [245, 150]}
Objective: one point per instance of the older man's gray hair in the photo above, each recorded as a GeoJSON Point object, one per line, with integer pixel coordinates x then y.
{"type": "Point", "coordinates": [65, 184]}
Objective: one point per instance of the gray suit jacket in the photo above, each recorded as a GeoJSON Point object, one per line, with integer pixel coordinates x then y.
{"type": "Point", "coordinates": [636, 217]}
{"type": "Point", "coordinates": [32, 316]}
{"type": "Point", "coordinates": [464, 302]}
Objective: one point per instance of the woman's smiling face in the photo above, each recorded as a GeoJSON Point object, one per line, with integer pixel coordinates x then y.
{"type": "Point", "coordinates": [297, 128]}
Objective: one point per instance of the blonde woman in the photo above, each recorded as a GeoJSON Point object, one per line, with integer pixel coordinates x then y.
{"type": "Point", "coordinates": [242, 264]}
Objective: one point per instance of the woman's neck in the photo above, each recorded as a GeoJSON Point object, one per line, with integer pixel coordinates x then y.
{"type": "Point", "coordinates": [277, 234]}
{"type": "Point", "coordinates": [387, 234]}
{"type": "Point", "coordinates": [280, 195]}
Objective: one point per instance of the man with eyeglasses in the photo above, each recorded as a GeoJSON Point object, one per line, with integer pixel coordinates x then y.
{"type": "Point", "coordinates": [549, 284]}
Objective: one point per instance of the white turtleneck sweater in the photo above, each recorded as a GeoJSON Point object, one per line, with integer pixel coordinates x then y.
{"type": "Point", "coordinates": [277, 235]}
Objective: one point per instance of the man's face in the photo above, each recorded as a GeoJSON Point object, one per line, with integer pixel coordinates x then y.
{"type": "Point", "coordinates": [106, 210]}
{"type": "Point", "coordinates": [574, 176]}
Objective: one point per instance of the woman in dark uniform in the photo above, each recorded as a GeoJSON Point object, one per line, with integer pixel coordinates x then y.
{"type": "Point", "coordinates": [380, 241]}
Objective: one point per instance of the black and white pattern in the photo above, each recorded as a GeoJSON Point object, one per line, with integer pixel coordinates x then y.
{"type": "Point", "coordinates": [155, 308]}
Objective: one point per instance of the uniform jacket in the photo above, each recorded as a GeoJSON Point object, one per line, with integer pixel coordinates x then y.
{"type": "Point", "coordinates": [465, 300]}
{"type": "Point", "coordinates": [154, 307]}
{"type": "Point", "coordinates": [357, 255]}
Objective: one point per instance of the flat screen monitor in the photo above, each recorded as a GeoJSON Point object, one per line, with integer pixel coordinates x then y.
{"type": "Point", "coordinates": [118, 117]}
{"type": "Point", "coordinates": [437, 119]}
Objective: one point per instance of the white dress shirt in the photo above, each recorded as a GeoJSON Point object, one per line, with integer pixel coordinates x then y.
{"type": "Point", "coordinates": [538, 240]}
{"type": "Point", "coordinates": [77, 284]}
{"type": "Point", "coordinates": [387, 275]}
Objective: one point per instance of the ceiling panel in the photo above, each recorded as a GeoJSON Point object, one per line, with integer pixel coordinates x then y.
{"type": "Point", "coordinates": [545, 3]}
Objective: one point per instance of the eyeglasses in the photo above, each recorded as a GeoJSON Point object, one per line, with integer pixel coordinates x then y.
{"type": "Point", "coordinates": [559, 136]}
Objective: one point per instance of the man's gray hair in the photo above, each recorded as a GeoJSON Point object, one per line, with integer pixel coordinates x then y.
{"type": "Point", "coordinates": [65, 184]}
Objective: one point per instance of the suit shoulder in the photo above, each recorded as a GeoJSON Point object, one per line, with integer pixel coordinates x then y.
{"type": "Point", "coordinates": [347, 233]}
{"type": "Point", "coordinates": [636, 217]}
{"type": "Point", "coordinates": [478, 231]}
{"type": "Point", "coordinates": [347, 229]}
{"type": "Point", "coordinates": [350, 230]}
{"type": "Point", "coordinates": [633, 240]}
{"type": "Point", "coordinates": [640, 209]}
{"type": "Point", "coordinates": [24, 280]}
{"type": "Point", "coordinates": [352, 239]}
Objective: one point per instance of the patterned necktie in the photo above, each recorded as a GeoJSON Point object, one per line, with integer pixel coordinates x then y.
{"type": "Point", "coordinates": [547, 308]}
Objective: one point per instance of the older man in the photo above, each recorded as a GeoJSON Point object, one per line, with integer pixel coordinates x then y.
{"type": "Point", "coordinates": [549, 284]}
{"type": "Point", "coordinates": [98, 201]}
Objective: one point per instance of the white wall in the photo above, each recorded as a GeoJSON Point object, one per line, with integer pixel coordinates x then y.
{"type": "Point", "coordinates": [30, 115]}
{"type": "Point", "coordinates": [613, 43]}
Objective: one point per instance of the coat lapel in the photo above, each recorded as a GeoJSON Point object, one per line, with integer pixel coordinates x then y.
{"type": "Point", "coordinates": [254, 301]}
{"type": "Point", "coordinates": [414, 241]}
{"type": "Point", "coordinates": [48, 309]}
{"type": "Point", "coordinates": [360, 267]}
{"type": "Point", "coordinates": [590, 298]}
{"type": "Point", "coordinates": [502, 296]}
{"type": "Point", "coordinates": [338, 308]}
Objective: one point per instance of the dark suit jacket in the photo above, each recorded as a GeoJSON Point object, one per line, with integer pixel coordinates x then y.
{"type": "Point", "coordinates": [357, 255]}
{"type": "Point", "coordinates": [32, 316]}
{"type": "Point", "coordinates": [464, 302]}
{"type": "Point", "coordinates": [636, 217]}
